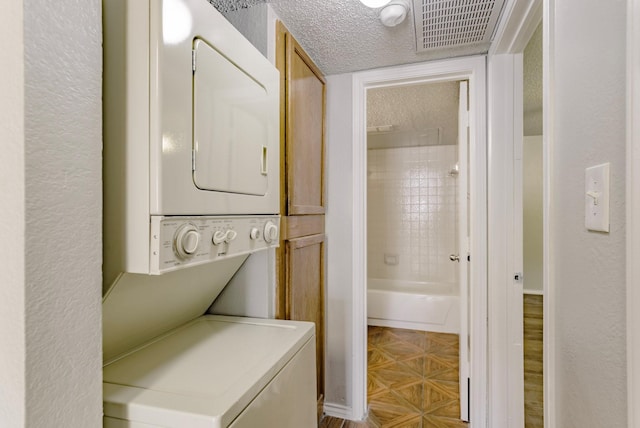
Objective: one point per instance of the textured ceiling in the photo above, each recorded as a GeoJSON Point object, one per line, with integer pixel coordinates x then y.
{"type": "Point", "coordinates": [344, 36]}
{"type": "Point", "coordinates": [415, 112]}
{"type": "Point", "coordinates": [226, 6]}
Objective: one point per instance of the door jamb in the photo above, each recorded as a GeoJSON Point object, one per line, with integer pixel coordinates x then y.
{"type": "Point", "coordinates": [506, 361]}
{"type": "Point", "coordinates": [474, 70]}
{"type": "Point", "coordinates": [633, 210]}
{"type": "Point", "coordinates": [506, 384]}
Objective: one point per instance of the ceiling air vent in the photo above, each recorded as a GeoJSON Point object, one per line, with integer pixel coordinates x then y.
{"type": "Point", "coordinates": [442, 24]}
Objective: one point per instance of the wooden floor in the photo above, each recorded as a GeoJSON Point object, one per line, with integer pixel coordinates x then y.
{"type": "Point", "coordinates": [413, 377]}
{"type": "Point", "coordinates": [412, 381]}
{"type": "Point", "coordinates": [533, 384]}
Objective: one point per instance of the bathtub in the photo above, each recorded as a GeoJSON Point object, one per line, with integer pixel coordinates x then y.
{"type": "Point", "coordinates": [414, 305]}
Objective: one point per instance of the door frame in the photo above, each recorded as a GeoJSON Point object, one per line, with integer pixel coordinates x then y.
{"type": "Point", "coordinates": [506, 359]}
{"type": "Point", "coordinates": [464, 361]}
{"type": "Point", "coordinates": [633, 210]}
{"type": "Point", "coordinates": [472, 69]}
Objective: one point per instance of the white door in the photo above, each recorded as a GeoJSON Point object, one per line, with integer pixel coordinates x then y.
{"type": "Point", "coordinates": [463, 246]}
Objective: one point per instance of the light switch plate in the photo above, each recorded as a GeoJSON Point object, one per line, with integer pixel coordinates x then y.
{"type": "Point", "coordinates": [596, 198]}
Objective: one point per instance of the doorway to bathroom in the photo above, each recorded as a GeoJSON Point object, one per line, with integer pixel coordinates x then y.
{"type": "Point", "coordinates": [461, 243]}
{"type": "Point", "coordinates": [417, 253]}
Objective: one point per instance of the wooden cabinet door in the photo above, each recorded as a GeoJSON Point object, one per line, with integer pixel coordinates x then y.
{"type": "Point", "coordinates": [305, 299]}
{"type": "Point", "coordinates": [305, 89]}
{"type": "Point", "coordinates": [300, 258]}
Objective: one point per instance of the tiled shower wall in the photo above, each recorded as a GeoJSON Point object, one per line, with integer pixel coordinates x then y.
{"type": "Point", "coordinates": [411, 213]}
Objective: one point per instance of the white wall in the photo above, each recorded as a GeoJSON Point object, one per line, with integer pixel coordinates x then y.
{"type": "Point", "coordinates": [587, 287]}
{"type": "Point", "coordinates": [532, 212]}
{"type": "Point", "coordinates": [339, 297]}
{"type": "Point", "coordinates": [55, 258]}
{"type": "Point", "coordinates": [251, 292]}
{"type": "Point", "coordinates": [12, 240]}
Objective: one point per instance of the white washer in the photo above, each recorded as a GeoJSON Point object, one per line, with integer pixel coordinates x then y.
{"type": "Point", "coordinates": [216, 371]}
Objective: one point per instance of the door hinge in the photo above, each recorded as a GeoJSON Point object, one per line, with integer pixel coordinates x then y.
{"type": "Point", "coordinates": [193, 60]}
{"type": "Point", "coordinates": [518, 276]}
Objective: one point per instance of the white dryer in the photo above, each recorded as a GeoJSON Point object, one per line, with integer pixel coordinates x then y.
{"type": "Point", "coordinates": [191, 129]}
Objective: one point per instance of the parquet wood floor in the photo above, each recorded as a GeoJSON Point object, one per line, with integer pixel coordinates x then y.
{"type": "Point", "coordinates": [412, 381]}
{"type": "Point", "coordinates": [413, 377]}
{"type": "Point", "coordinates": [533, 385]}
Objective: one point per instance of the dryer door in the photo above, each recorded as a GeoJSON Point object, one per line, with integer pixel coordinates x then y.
{"type": "Point", "coordinates": [230, 123]}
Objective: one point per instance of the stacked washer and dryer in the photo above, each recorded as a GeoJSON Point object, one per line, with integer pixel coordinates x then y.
{"type": "Point", "coordinates": [191, 197]}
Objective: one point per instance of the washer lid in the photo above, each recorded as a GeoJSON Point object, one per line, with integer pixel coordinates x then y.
{"type": "Point", "coordinates": [202, 374]}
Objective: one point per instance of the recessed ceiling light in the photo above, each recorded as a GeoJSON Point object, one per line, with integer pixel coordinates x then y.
{"type": "Point", "coordinates": [395, 12]}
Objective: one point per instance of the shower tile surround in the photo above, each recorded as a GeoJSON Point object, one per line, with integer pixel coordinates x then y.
{"type": "Point", "coordinates": [411, 214]}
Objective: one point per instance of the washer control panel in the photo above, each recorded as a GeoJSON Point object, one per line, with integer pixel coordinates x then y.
{"type": "Point", "coordinates": [180, 241]}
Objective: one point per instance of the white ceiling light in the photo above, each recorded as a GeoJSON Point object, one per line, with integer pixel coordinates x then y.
{"type": "Point", "coordinates": [375, 3]}
{"type": "Point", "coordinates": [394, 13]}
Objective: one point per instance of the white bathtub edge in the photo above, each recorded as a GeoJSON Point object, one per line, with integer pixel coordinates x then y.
{"type": "Point", "coordinates": [435, 328]}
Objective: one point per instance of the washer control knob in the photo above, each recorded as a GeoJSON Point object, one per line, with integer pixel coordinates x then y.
{"type": "Point", "coordinates": [254, 233]}
{"type": "Point", "coordinates": [270, 232]}
{"type": "Point", "coordinates": [186, 240]}
{"type": "Point", "coordinates": [230, 236]}
{"type": "Point", "coordinates": [219, 237]}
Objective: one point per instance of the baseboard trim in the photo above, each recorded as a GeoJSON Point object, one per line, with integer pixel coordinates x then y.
{"type": "Point", "coordinates": [534, 292]}
{"type": "Point", "coordinates": [338, 411]}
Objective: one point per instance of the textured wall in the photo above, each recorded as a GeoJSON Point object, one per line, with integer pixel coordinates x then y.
{"type": "Point", "coordinates": [415, 108]}
{"type": "Point", "coordinates": [12, 319]}
{"type": "Point", "coordinates": [588, 268]}
{"type": "Point", "coordinates": [532, 85]}
{"type": "Point", "coordinates": [63, 168]}
{"type": "Point", "coordinates": [252, 23]}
